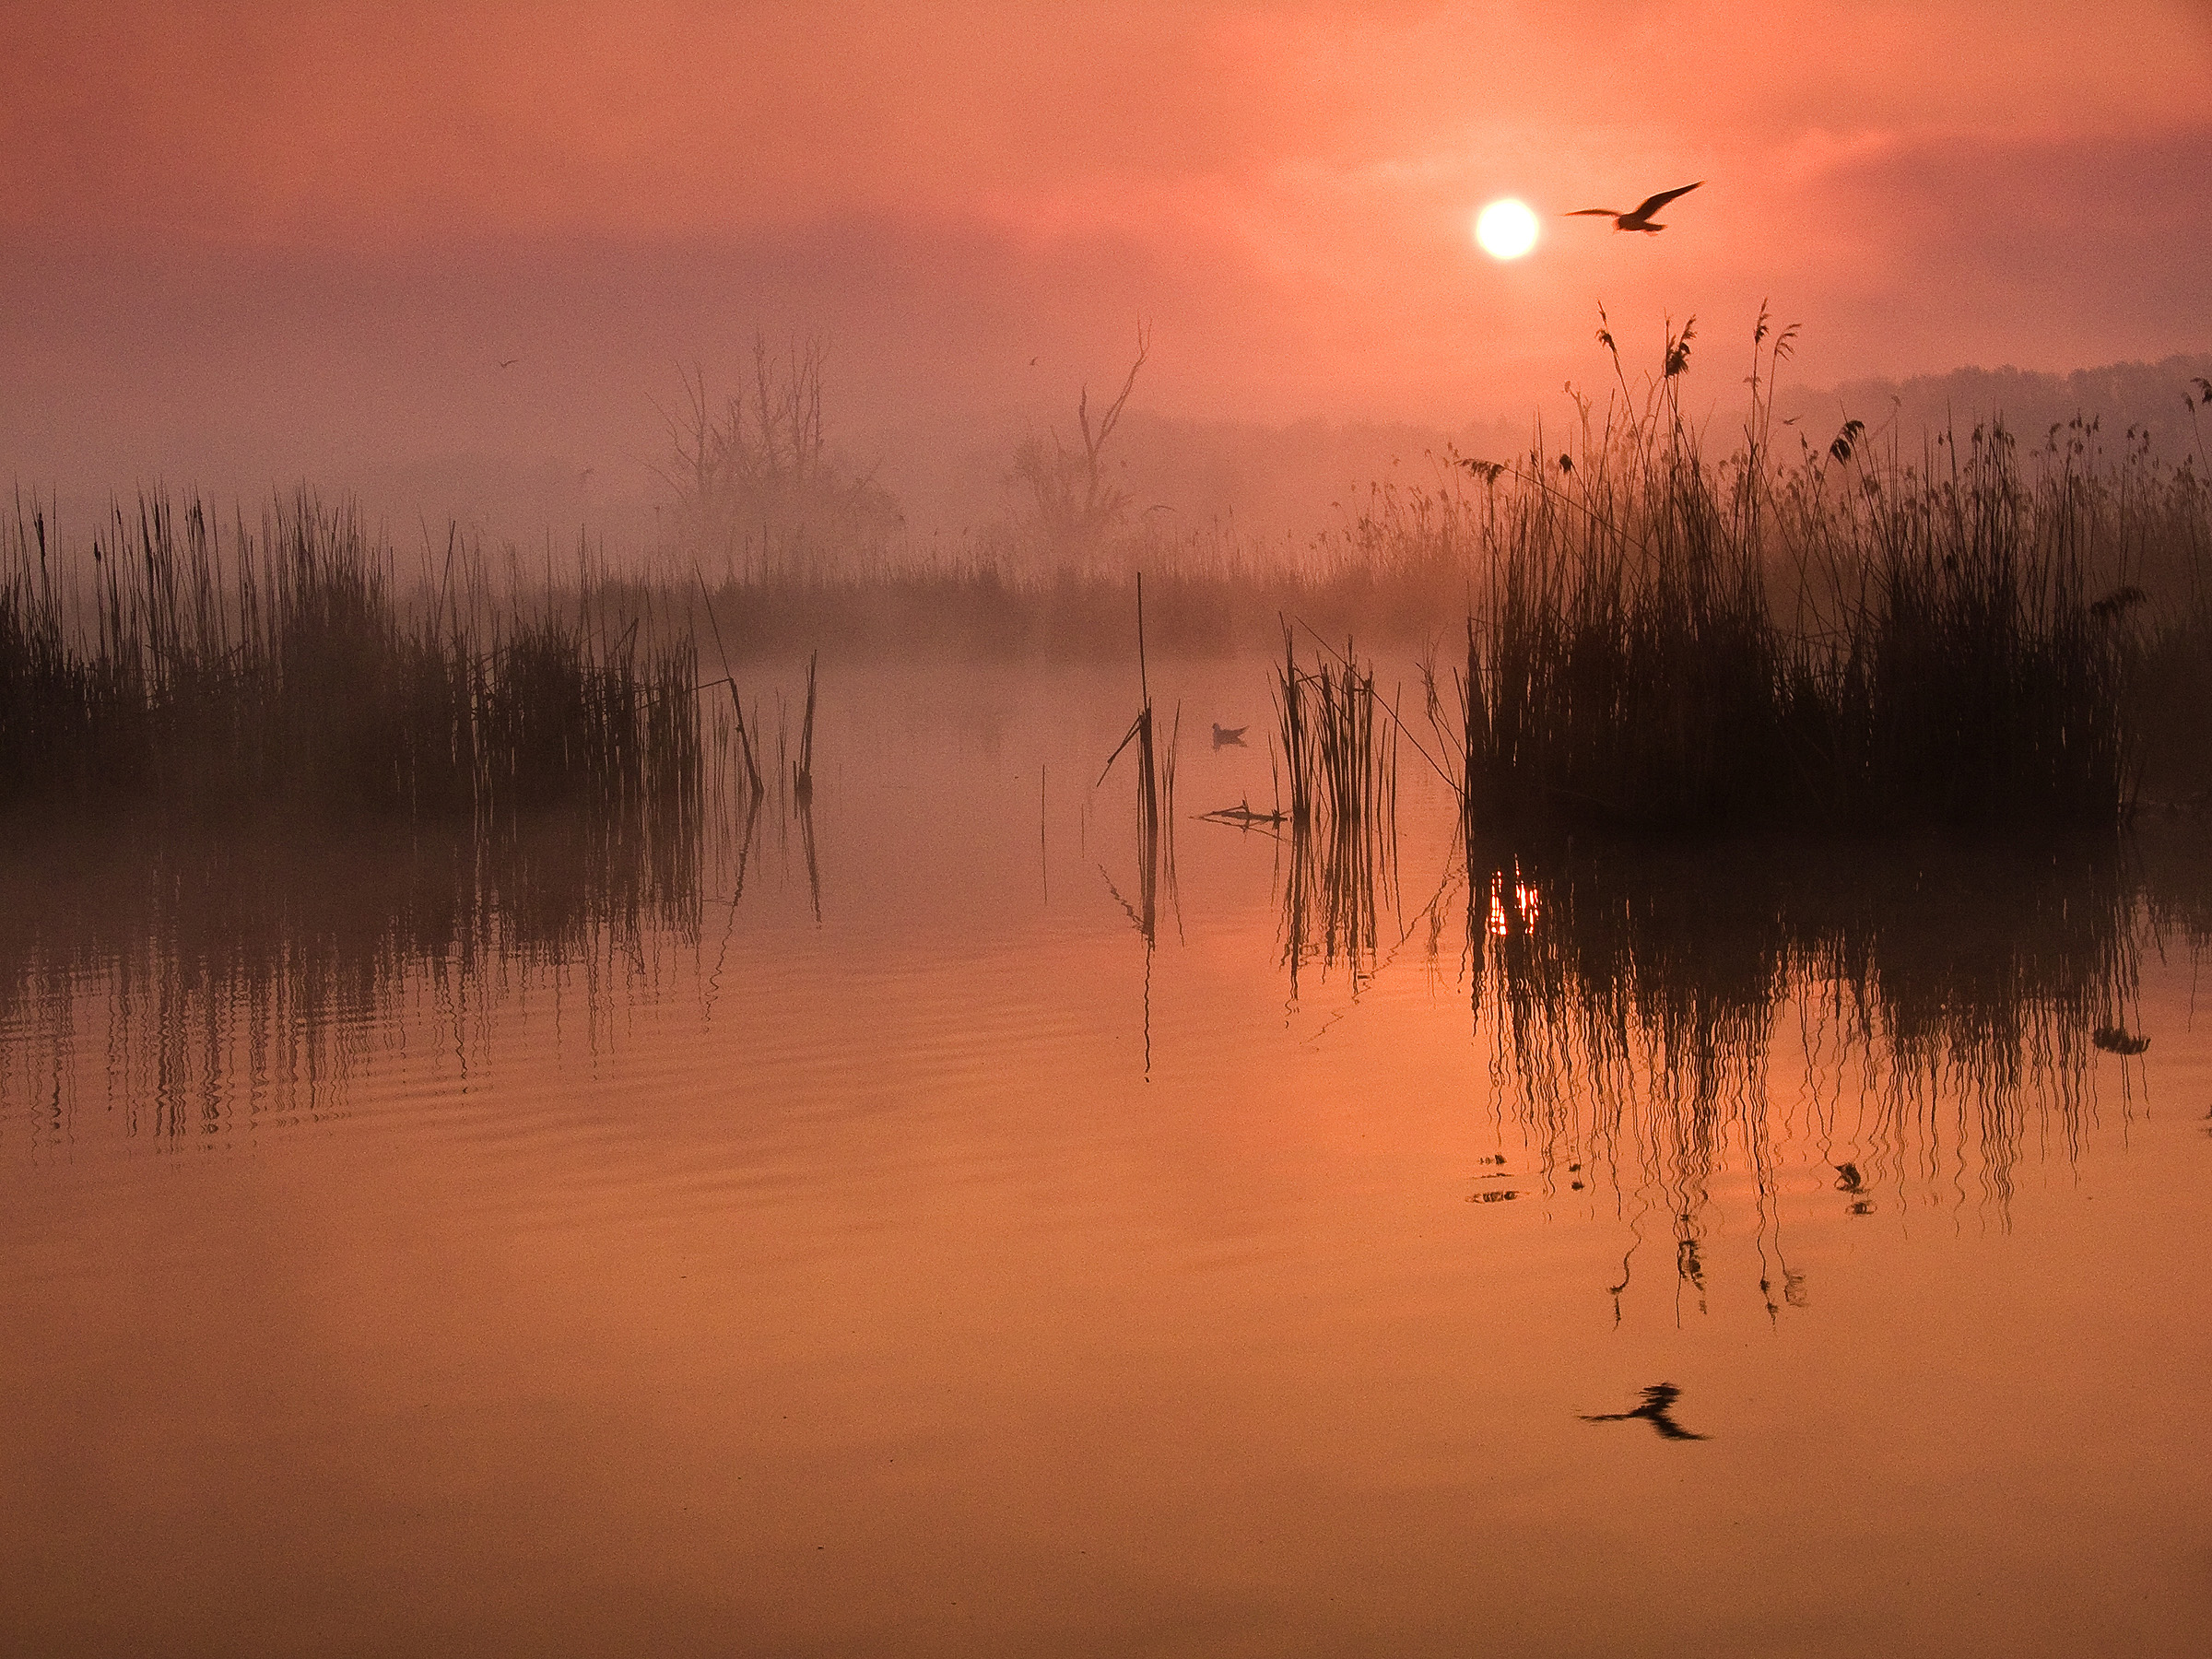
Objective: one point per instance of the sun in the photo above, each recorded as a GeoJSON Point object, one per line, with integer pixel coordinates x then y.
{"type": "Point", "coordinates": [1506, 229]}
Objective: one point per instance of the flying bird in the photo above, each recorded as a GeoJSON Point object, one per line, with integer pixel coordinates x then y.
{"type": "Point", "coordinates": [509, 362]}
{"type": "Point", "coordinates": [1658, 1410]}
{"type": "Point", "coordinates": [1638, 218]}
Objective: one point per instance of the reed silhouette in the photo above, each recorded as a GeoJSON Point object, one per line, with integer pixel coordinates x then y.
{"type": "Point", "coordinates": [1339, 745]}
{"type": "Point", "coordinates": [274, 667]}
{"type": "Point", "coordinates": [1668, 643]}
{"type": "Point", "coordinates": [1155, 819]}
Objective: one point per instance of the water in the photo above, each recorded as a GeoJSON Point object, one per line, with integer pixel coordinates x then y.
{"type": "Point", "coordinates": [564, 1249]}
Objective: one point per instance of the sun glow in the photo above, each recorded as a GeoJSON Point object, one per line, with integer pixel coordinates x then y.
{"type": "Point", "coordinates": [1506, 229]}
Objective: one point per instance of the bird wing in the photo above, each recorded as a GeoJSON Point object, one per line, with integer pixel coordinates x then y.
{"type": "Point", "coordinates": [1579, 212]}
{"type": "Point", "coordinates": [1654, 203]}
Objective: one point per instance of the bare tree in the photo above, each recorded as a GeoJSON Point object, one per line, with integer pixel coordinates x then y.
{"type": "Point", "coordinates": [1076, 503]}
{"type": "Point", "coordinates": [755, 476]}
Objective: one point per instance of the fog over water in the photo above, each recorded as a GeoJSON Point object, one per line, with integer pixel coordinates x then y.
{"type": "Point", "coordinates": [902, 1224]}
{"type": "Point", "coordinates": [899, 831]}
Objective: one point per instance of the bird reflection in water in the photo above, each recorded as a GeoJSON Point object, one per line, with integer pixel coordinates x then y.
{"type": "Point", "coordinates": [1658, 1410]}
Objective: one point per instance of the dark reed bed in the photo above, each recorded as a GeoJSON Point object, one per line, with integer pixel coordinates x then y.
{"type": "Point", "coordinates": [189, 665]}
{"type": "Point", "coordinates": [1849, 640]}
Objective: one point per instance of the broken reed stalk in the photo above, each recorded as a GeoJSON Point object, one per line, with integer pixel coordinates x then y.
{"type": "Point", "coordinates": [1290, 713]}
{"type": "Point", "coordinates": [1148, 783]}
{"type": "Point", "coordinates": [803, 777]}
{"type": "Point", "coordinates": [745, 739]}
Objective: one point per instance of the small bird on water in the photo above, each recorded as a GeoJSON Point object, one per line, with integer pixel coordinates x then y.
{"type": "Point", "coordinates": [1228, 734]}
{"type": "Point", "coordinates": [1636, 218]}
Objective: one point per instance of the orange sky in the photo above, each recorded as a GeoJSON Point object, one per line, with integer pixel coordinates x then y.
{"type": "Point", "coordinates": [292, 234]}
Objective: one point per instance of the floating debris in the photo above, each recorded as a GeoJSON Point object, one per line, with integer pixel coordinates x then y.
{"type": "Point", "coordinates": [1241, 815]}
{"type": "Point", "coordinates": [1496, 1197]}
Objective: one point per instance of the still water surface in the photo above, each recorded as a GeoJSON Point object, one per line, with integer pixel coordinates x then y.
{"type": "Point", "coordinates": [855, 1237]}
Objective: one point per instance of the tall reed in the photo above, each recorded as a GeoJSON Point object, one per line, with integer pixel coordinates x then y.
{"type": "Point", "coordinates": [276, 666]}
{"type": "Point", "coordinates": [1667, 642]}
{"type": "Point", "coordinates": [1339, 741]}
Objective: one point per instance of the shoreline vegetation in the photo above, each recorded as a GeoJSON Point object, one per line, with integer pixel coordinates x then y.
{"type": "Point", "coordinates": [189, 665]}
{"type": "Point", "coordinates": [1635, 636]}
{"type": "Point", "coordinates": [1849, 638]}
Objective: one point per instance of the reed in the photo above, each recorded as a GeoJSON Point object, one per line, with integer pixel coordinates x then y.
{"type": "Point", "coordinates": [1155, 847]}
{"type": "Point", "coordinates": [1669, 644]}
{"type": "Point", "coordinates": [802, 777]}
{"type": "Point", "coordinates": [275, 666]}
{"type": "Point", "coordinates": [1339, 740]}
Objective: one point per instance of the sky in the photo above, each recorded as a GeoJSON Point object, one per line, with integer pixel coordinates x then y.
{"type": "Point", "coordinates": [249, 243]}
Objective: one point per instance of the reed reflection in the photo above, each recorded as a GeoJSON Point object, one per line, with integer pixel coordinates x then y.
{"type": "Point", "coordinates": [243, 973]}
{"type": "Point", "coordinates": [1940, 1004]}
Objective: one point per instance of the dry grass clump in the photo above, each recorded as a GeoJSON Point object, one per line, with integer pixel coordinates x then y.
{"type": "Point", "coordinates": [275, 666]}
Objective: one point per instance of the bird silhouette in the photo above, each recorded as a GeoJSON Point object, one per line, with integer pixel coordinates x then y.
{"type": "Point", "coordinates": [1226, 735]}
{"type": "Point", "coordinates": [509, 362]}
{"type": "Point", "coordinates": [1636, 218]}
{"type": "Point", "coordinates": [1658, 1410]}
